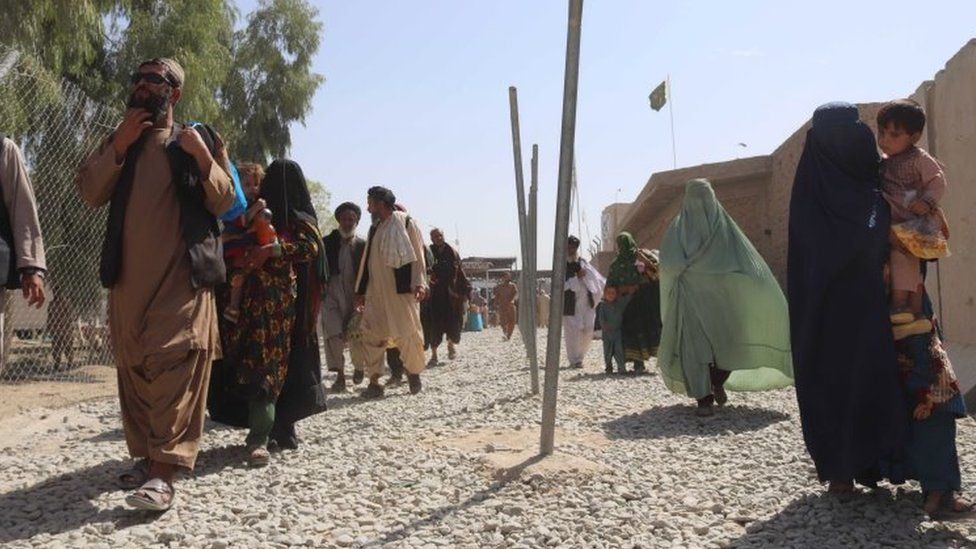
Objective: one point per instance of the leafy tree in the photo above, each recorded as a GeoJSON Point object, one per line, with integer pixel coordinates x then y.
{"type": "Point", "coordinates": [321, 200]}
{"type": "Point", "coordinates": [271, 82]}
{"type": "Point", "coordinates": [251, 84]}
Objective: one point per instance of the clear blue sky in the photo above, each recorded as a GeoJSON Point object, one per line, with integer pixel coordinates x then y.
{"type": "Point", "coordinates": [416, 93]}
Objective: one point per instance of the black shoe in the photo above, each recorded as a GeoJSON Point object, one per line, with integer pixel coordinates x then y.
{"type": "Point", "coordinates": [639, 367]}
{"type": "Point", "coordinates": [284, 438]}
{"type": "Point", "coordinates": [373, 390]}
{"type": "Point", "coordinates": [608, 369]}
{"type": "Point", "coordinates": [721, 397]}
{"type": "Point", "coordinates": [357, 377]}
{"type": "Point", "coordinates": [339, 386]}
{"type": "Point", "coordinates": [415, 385]}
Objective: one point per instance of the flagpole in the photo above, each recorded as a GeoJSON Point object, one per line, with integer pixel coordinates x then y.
{"type": "Point", "coordinates": [670, 98]}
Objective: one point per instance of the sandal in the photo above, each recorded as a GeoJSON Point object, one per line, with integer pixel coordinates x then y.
{"type": "Point", "coordinates": [134, 476]}
{"type": "Point", "coordinates": [155, 495]}
{"type": "Point", "coordinates": [258, 456]}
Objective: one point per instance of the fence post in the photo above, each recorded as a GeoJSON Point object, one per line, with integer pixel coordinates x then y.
{"type": "Point", "coordinates": [523, 237]}
{"type": "Point", "coordinates": [563, 197]}
{"type": "Point", "coordinates": [533, 269]}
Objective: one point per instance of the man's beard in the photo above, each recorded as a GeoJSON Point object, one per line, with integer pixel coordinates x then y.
{"type": "Point", "coordinates": [155, 103]}
{"type": "Point", "coordinates": [345, 234]}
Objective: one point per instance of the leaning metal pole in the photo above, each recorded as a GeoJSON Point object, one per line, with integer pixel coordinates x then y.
{"type": "Point", "coordinates": [523, 236]}
{"type": "Point", "coordinates": [533, 276]}
{"type": "Point", "coordinates": [563, 197]}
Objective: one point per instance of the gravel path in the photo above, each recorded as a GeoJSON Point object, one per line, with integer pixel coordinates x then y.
{"type": "Point", "coordinates": [637, 469]}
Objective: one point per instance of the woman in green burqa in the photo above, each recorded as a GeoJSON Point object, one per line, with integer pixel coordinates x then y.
{"type": "Point", "coordinates": [725, 320]}
{"type": "Point", "coordinates": [635, 272]}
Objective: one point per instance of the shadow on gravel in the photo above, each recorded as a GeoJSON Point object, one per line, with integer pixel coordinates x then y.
{"type": "Point", "coordinates": [882, 518]}
{"type": "Point", "coordinates": [63, 503]}
{"type": "Point", "coordinates": [603, 376]}
{"type": "Point", "coordinates": [108, 436]}
{"type": "Point", "coordinates": [680, 419]}
{"type": "Point", "coordinates": [480, 409]}
{"type": "Point", "coordinates": [437, 515]}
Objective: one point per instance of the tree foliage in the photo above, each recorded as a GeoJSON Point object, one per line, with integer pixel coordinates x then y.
{"type": "Point", "coordinates": [251, 83]}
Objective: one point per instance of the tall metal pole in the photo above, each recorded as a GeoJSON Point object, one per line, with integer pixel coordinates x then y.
{"type": "Point", "coordinates": [533, 273]}
{"type": "Point", "coordinates": [674, 148]}
{"type": "Point", "coordinates": [563, 198]}
{"type": "Point", "coordinates": [520, 195]}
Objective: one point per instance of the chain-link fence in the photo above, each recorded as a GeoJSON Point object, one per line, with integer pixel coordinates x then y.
{"type": "Point", "coordinates": [56, 125]}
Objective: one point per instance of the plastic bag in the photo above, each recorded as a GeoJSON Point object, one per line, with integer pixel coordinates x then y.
{"type": "Point", "coordinates": [924, 237]}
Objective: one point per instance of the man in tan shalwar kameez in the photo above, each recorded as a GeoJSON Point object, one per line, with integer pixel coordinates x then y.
{"type": "Point", "coordinates": [391, 284]}
{"type": "Point", "coordinates": [163, 327]}
{"type": "Point", "coordinates": [505, 295]}
{"type": "Point", "coordinates": [23, 246]}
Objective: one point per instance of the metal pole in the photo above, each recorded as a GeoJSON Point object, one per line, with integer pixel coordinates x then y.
{"type": "Point", "coordinates": [520, 195]}
{"type": "Point", "coordinates": [533, 275]}
{"type": "Point", "coordinates": [563, 198]}
{"type": "Point", "coordinates": [674, 148]}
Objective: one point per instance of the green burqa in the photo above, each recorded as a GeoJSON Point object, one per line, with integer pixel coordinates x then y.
{"type": "Point", "coordinates": [623, 270]}
{"type": "Point", "coordinates": [719, 304]}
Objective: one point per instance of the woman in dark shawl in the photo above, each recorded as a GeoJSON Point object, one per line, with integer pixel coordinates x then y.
{"type": "Point", "coordinates": [635, 272]}
{"type": "Point", "coordinates": [303, 394]}
{"type": "Point", "coordinates": [851, 406]}
{"type": "Point", "coordinates": [271, 352]}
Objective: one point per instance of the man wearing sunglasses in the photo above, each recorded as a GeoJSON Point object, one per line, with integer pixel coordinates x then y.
{"type": "Point", "coordinates": [161, 258]}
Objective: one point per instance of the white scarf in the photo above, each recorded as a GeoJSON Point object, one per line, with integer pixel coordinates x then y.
{"type": "Point", "coordinates": [393, 241]}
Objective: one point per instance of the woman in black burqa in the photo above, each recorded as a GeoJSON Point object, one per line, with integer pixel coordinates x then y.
{"type": "Point", "coordinates": [851, 404]}
{"type": "Point", "coordinates": [286, 193]}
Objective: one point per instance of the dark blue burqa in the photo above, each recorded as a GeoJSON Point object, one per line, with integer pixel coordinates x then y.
{"type": "Point", "coordinates": [851, 404]}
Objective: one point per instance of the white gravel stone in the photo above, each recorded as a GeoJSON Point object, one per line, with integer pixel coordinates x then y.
{"type": "Point", "coordinates": [380, 473]}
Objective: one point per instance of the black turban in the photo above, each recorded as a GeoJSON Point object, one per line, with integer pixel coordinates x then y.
{"type": "Point", "coordinates": [348, 206]}
{"type": "Point", "coordinates": [382, 194]}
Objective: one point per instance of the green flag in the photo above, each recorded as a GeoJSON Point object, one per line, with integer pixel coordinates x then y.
{"type": "Point", "coordinates": [659, 96]}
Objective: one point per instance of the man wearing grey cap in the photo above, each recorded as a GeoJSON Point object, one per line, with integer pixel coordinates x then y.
{"type": "Point", "coordinates": [160, 259]}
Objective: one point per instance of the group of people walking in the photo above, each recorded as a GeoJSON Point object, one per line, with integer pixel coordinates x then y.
{"type": "Point", "coordinates": [877, 394]}
{"type": "Point", "coordinates": [221, 282]}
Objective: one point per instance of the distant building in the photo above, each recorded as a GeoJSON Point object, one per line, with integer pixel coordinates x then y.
{"type": "Point", "coordinates": [486, 268]}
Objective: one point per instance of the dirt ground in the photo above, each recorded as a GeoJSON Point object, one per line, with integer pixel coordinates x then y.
{"type": "Point", "coordinates": [94, 382]}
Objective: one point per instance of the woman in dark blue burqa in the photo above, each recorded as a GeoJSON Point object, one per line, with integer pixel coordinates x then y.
{"type": "Point", "coordinates": [851, 404]}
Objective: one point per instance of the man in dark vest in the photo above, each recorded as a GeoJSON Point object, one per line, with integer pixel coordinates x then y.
{"type": "Point", "coordinates": [161, 259]}
{"type": "Point", "coordinates": [21, 247]}
{"type": "Point", "coordinates": [344, 250]}
{"type": "Point", "coordinates": [449, 290]}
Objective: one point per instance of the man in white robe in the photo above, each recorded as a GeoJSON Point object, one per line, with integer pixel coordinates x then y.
{"type": "Point", "coordinates": [391, 284]}
{"type": "Point", "coordinates": [583, 292]}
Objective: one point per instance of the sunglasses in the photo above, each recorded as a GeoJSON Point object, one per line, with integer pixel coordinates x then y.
{"type": "Point", "coordinates": [150, 77]}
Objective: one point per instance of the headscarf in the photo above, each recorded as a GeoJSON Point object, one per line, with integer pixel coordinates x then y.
{"type": "Point", "coordinates": [286, 193]}
{"type": "Point", "coordinates": [623, 270]}
{"type": "Point", "coordinates": [719, 301]}
{"type": "Point", "coordinates": [849, 395]}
